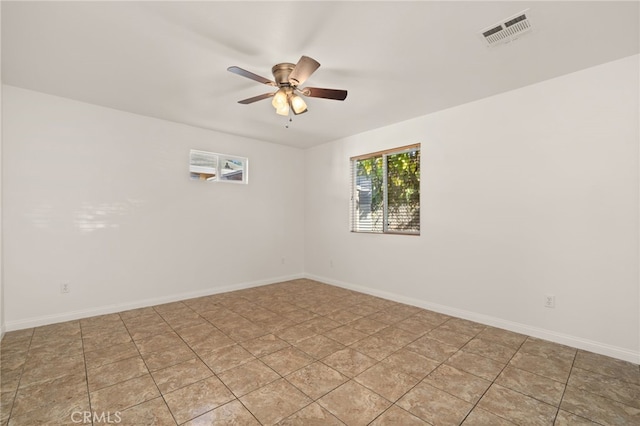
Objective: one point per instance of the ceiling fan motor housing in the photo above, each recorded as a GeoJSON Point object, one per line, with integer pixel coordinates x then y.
{"type": "Point", "coordinates": [281, 73]}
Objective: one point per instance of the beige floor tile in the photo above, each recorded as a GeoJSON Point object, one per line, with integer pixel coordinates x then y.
{"type": "Point", "coordinates": [475, 364]}
{"type": "Point", "coordinates": [9, 381]}
{"type": "Point", "coordinates": [59, 391]}
{"type": "Point", "coordinates": [597, 408]}
{"type": "Point", "coordinates": [346, 334]}
{"type": "Point", "coordinates": [480, 417]}
{"type": "Point", "coordinates": [151, 413]}
{"type": "Point", "coordinates": [533, 385]}
{"type": "Point", "coordinates": [110, 354]}
{"type": "Point", "coordinates": [196, 399]}
{"type": "Point", "coordinates": [241, 333]}
{"type": "Point", "coordinates": [564, 418]}
{"type": "Point", "coordinates": [42, 370]}
{"type": "Point", "coordinates": [275, 401]}
{"type": "Point", "coordinates": [343, 316]}
{"type": "Point", "coordinates": [53, 414]}
{"type": "Point", "coordinates": [102, 341]}
{"type": "Point", "coordinates": [6, 404]}
{"type": "Point", "coordinates": [276, 323]}
{"type": "Point", "coordinates": [434, 406]}
{"type": "Point", "coordinates": [135, 313]}
{"type": "Point", "coordinates": [610, 387]}
{"type": "Point", "coordinates": [545, 348]}
{"type": "Point", "coordinates": [225, 358]}
{"type": "Point", "coordinates": [431, 317]}
{"type": "Point", "coordinates": [180, 375]}
{"type": "Point", "coordinates": [328, 343]}
{"type": "Point", "coordinates": [354, 404]}
{"type": "Point", "coordinates": [319, 346]}
{"type": "Point", "coordinates": [368, 325]}
{"type": "Point", "coordinates": [387, 382]}
{"type": "Point", "coordinates": [490, 349]}
{"type": "Point", "coordinates": [116, 372]}
{"type": "Point", "coordinates": [168, 357]}
{"type": "Point", "coordinates": [608, 366]}
{"type": "Point", "coordinates": [516, 407]}
{"type": "Point", "coordinates": [397, 336]}
{"type": "Point", "coordinates": [389, 317]}
{"type": "Point", "coordinates": [324, 309]}
{"type": "Point", "coordinates": [287, 360]}
{"type": "Point", "coordinates": [363, 309]}
{"type": "Point", "coordinates": [502, 337]}
{"type": "Point", "coordinates": [178, 321]}
{"type": "Point", "coordinates": [296, 333]}
{"type": "Point", "coordinates": [149, 330]}
{"type": "Point", "coordinates": [449, 337]}
{"type": "Point", "coordinates": [264, 345]}
{"type": "Point", "coordinates": [397, 416]}
{"type": "Point", "coordinates": [316, 379]}
{"type": "Point", "coordinates": [416, 324]}
{"type": "Point", "coordinates": [462, 385]}
{"type": "Point", "coordinates": [204, 338]}
{"type": "Point", "coordinates": [248, 377]}
{"type": "Point", "coordinates": [432, 349]}
{"type": "Point", "coordinates": [230, 414]}
{"type": "Point", "coordinates": [554, 368]}
{"type": "Point", "coordinates": [124, 395]}
{"type": "Point", "coordinates": [158, 342]}
{"type": "Point", "coordinates": [311, 415]}
{"type": "Point", "coordinates": [321, 325]}
{"type": "Point", "coordinates": [59, 347]}
{"type": "Point", "coordinates": [462, 326]}
{"type": "Point", "coordinates": [410, 363]}
{"type": "Point", "coordinates": [349, 362]}
{"type": "Point", "coordinates": [300, 315]}
{"type": "Point", "coordinates": [375, 347]}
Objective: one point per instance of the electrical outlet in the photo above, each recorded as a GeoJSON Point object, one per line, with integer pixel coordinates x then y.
{"type": "Point", "coordinates": [549, 301]}
{"type": "Point", "coordinates": [65, 288]}
{"type": "Point", "coordinates": [283, 260]}
{"type": "Point", "coordinates": [331, 263]}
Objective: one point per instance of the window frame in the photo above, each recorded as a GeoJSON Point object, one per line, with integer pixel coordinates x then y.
{"type": "Point", "coordinates": [385, 207]}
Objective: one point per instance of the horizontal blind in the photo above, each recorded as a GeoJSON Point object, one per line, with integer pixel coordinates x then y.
{"type": "Point", "coordinates": [367, 194]}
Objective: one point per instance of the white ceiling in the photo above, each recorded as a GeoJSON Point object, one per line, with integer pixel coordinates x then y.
{"type": "Point", "coordinates": [398, 60]}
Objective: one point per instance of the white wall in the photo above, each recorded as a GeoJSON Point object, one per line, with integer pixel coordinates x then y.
{"type": "Point", "coordinates": [102, 199]}
{"type": "Point", "coordinates": [527, 193]}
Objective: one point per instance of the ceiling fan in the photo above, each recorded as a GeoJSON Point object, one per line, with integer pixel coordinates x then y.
{"type": "Point", "coordinates": [288, 77]}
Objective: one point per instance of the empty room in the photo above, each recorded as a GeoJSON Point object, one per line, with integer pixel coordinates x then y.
{"type": "Point", "coordinates": [320, 213]}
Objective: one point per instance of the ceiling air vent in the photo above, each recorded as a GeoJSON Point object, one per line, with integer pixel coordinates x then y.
{"type": "Point", "coordinates": [507, 30]}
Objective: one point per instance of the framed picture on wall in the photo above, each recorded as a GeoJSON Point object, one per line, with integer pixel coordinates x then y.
{"type": "Point", "coordinates": [233, 169]}
{"type": "Point", "coordinates": [203, 165]}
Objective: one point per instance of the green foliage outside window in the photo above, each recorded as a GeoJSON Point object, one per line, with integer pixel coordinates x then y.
{"type": "Point", "coordinates": [394, 186]}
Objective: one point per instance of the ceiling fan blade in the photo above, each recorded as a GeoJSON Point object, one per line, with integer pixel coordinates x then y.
{"type": "Point", "coordinates": [256, 98]}
{"type": "Point", "coordinates": [303, 69]}
{"type": "Point", "coordinates": [317, 92]}
{"type": "Point", "coordinates": [252, 76]}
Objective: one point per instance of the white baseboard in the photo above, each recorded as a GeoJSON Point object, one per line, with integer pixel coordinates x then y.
{"type": "Point", "coordinates": [564, 339]}
{"type": "Point", "coordinates": [110, 309]}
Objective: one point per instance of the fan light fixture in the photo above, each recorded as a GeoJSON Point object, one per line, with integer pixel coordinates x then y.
{"type": "Point", "coordinates": [288, 77]}
{"type": "Point", "coordinates": [298, 104]}
{"type": "Point", "coordinates": [285, 100]}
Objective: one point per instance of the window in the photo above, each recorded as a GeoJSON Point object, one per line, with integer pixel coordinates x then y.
{"type": "Point", "coordinates": [385, 194]}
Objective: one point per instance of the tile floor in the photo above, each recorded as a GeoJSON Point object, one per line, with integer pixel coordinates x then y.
{"type": "Point", "coordinates": [303, 353]}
